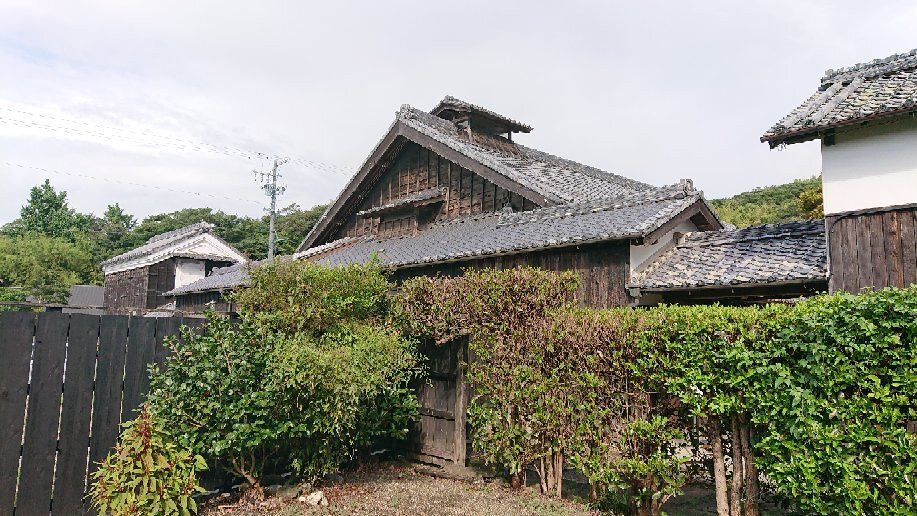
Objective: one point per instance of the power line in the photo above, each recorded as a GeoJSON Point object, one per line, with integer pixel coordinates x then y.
{"type": "Point", "coordinates": [146, 138]}
{"type": "Point", "coordinates": [130, 183]}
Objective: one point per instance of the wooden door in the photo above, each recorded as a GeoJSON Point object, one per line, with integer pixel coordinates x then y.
{"type": "Point", "coordinates": [441, 437]}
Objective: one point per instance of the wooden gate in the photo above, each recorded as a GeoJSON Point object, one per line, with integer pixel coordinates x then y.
{"type": "Point", "coordinates": [442, 436]}
{"type": "Point", "coordinates": [67, 381]}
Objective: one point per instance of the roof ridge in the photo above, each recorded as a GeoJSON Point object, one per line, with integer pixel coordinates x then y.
{"type": "Point", "coordinates": [892, 63]}
{"type": "Point", "coordinates": [450, 101]}
{"type": "Point", "coordinates": [202, 226]}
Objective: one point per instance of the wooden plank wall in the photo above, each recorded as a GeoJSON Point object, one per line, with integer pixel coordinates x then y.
{"type": "Point", "coordinates": [603, 269]}
{"type": "Point", "coordinates": [199, 302]}
{"type": "Point", "coordinates": [126, 289]}
{"type": "Point", "coordinates": [416, 169]}
{"type": "Point", "coordinates": [88, 374]}
{"type": "Point", "coordinates": [872, 250]}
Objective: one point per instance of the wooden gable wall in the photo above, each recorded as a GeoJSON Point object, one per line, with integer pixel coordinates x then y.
{"type": "Point", "coordinates": [416, 169]}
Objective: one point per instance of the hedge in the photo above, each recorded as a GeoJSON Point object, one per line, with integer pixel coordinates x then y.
{"type": "Point", "coordinates": [812, 397]}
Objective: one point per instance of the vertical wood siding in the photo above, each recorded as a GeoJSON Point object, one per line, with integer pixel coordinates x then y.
{"type": "Point", "coordinates": [872, 250]}
{"type": "Point", "coordinates": [602, 268]}
{"type": "Point", "coordinates": [416, 169]}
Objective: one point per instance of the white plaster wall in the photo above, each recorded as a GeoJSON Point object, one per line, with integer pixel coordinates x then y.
{"type": "Point", "coordinates": [871, 167]}
{"type": "Point", "coordinates": [641, 254]}
{"type": "Point", "coordinates": [188, 271]}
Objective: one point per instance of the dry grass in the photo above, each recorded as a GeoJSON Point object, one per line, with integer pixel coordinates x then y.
{"type": "Point", "coordinates": [396, 489]}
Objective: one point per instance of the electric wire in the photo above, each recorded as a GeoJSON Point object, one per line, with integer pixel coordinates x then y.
{"type": "Point", "coordinates": [129, 183]}
{"type": "Point", "coordinates": [146, 138]}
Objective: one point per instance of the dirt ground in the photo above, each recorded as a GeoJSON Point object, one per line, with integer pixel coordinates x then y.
{"type": "Point", "coordinates": [398, 488]}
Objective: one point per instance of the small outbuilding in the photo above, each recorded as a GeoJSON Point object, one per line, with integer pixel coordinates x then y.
{"type": "Point", "coordinates": [136, 280]}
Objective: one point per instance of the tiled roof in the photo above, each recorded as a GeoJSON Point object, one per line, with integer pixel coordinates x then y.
{"type": "Point", "coordinates": [86, 296]}
{"type": "Point", "coordinates": [450, 102]}
{"type": "Point", "coordinates": [624, 217]}
{"type": "Point", "coordinates": [879, 88]}
{"type": "Point", "coordinates": [773, 253]}
{"type": "Point", "coordinates": [220, 278]}
{"type": "Point", "coordinates": [161, 241]}
{"type": "Point", "coordinates": [558, 180]}
{"type": "Point", "coordinates": [476, 236]}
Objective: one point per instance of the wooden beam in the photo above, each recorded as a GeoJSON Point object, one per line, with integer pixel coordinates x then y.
{"type": "Point", "coordinates": [374, 159]}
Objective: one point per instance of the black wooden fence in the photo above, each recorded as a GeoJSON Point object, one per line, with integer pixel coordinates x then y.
{"type": "Point", "coordinates": [67, 381]}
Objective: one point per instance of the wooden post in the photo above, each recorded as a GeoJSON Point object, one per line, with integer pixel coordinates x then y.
{"type": "Point", "coordinates": [461, 402]}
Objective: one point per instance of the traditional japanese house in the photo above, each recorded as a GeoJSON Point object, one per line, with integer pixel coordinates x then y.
{"type": "Point", "coordinates": [453, 188]}
{"type": "Point", "coordinates": [866, 119]}
{"type": "Point", "coordinates": [137, 280]}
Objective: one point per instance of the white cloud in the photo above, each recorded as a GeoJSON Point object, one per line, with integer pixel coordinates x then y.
{"type": "Point", "coordinates": [654, 90]}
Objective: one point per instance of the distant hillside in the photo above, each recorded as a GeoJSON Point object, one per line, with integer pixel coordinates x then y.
{"type": "Point", "coordinates": [798, 200]}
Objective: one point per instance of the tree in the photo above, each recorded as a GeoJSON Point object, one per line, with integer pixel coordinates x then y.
{"type": "Point", "coordinates": [45, 267]}
{"type": "Point", "coordinates": [47, 213]}
{"type": "Point", "coordinates": [768, 205]}
{"type": "Point", "coordinates": [294, 223]}
{"type": "Point", "coordinates": [812, 203]}
{"type": "Point", "coordinates": [247, 234]}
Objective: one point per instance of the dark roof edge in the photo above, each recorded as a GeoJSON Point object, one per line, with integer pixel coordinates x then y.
{"type": "Point", "coordinates": [814, 132]}
{"type": "Point", "coordinates": [719, 286]}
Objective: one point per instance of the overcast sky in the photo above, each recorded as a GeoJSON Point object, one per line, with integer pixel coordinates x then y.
{"type": "Point", "coordinates": [174, 94]}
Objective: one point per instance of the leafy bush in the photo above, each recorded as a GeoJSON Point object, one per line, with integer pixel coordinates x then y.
{"type": "Point", "coordinates": [815, 395]}
{"type": "Point", "coordinates": [552, 383]}
{"type": "Point", "coordinates": [147, 473]}
{"type": "Point", "coordinates": [834, 396]}
{"type": "Point", "coordinates": [708, 357]}
{"type": "Point", "coordinates": [212, 397]}
{"type": "Point", "coordinates": [311, 375]}
{"type": "Point", "coordinates": [293, 297]}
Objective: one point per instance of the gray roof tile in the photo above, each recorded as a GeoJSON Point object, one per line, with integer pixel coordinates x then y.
{"type": "Point", "coordinates": [450, 102]}
{"type": "Point", "coordinates": [773, 253]}
{"type": "Point", "coordinates": [161, 241]}
{"type": "Point", "coordinates": [879, 88]}
{"type": "Point", "coordinates": [630, 216]}
{"type": "Point", "coordinates": [557, 179]}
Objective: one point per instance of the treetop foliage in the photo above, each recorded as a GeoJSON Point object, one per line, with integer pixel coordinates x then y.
{"type": "Point", "coordinates": [797, 200]}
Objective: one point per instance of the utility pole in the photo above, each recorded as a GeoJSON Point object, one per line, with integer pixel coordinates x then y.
{"type": "Point", "coordinates": [272, 190]}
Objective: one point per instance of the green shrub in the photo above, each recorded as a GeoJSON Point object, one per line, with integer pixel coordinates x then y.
{"type": "Point", "coordinates": [552, 383]}
{"type": "Point", "coordinates": [312, 375]}
{"type": "Point", "coordinates": [345, 392]}
{"type": "Point", "coordinates": [147, 473]}
{"type": "Point", "coordinates": [212, 397]}
{"type": "Point", "coordinates": [300, 297]}
{"type": "Point", "coordinates": [814, 396]}
{"type": "Point", "coordinates": [833, 398]}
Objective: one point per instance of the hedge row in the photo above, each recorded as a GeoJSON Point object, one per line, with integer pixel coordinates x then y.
{"type": "Point", "coordinates": [813, 397]}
